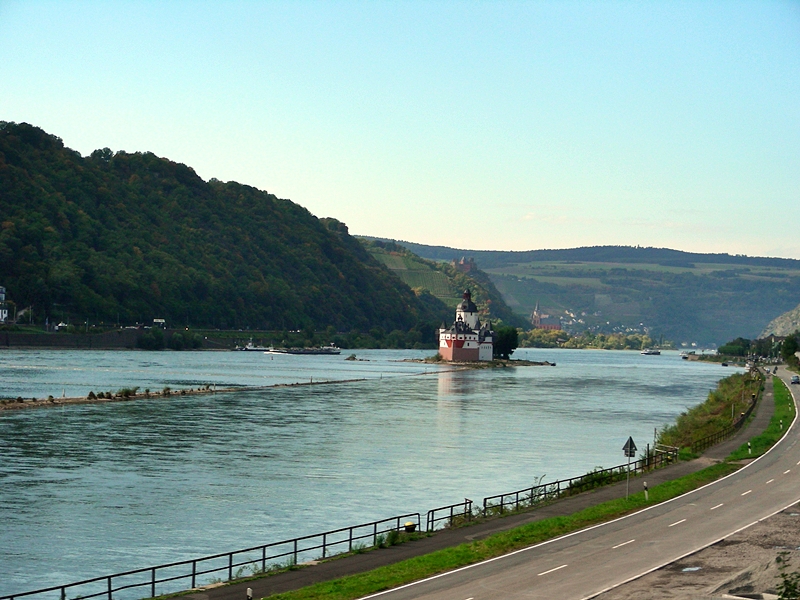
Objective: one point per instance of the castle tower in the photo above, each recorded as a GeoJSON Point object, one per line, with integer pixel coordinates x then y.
{"type": "Point", "coordinates": [467, 311]}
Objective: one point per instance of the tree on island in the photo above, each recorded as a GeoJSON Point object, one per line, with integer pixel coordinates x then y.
{"type": "Point", "coordinates": [506, 341]}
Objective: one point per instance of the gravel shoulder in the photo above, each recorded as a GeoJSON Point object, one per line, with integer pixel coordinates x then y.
{"type": "Point", "coordinates": [740, 566]}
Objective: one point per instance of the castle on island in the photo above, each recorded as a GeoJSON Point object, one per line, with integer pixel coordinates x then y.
{"type": "Point", "coordinates": [466, 340]}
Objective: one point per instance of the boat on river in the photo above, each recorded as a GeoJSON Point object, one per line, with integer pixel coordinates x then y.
{"type": "Point", "coordinates": [651, 352]}
{"type": "Point", "coordinates": [250, 347]}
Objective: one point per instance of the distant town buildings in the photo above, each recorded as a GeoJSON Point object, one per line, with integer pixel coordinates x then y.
{"type": "Point", "coordinates": [466, 339]}
{"type": "Point", "coordinates": [539, 320]}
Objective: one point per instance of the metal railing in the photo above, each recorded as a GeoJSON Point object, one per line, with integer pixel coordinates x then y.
{"type": "Point", "coordinates": [230, 565]}
{"type": "Point", "coordinates": [545, 492]}
{"type": "Point", "coordinates": [714, 438]}
{"type": "Point", "coordinates": [452, 513]}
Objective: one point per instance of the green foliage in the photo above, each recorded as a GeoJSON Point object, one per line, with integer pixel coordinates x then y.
{"type": "Point", "coordinates": [506, 341]}
{"type": "Point", "coordinates": [784, 411]}
{"type": "Point", "coordinates": [788, 348]}
{"type": "Point", "coordinates": [741, 347]}
{"type": "Point", "coordinates": [722, 407]}
{"type": "Point", "coordinates": [543, 338]}
{"type": "Point", "coordinates": [610, 341]}
{"type": "Point", "coordinates": [132, 237]}
{"type": "Point", "coordinates": [153, 339]}
{"type": "Point", "coordinates": [789, 586]}
{"type": "Point", "coordinates": [444, 281]}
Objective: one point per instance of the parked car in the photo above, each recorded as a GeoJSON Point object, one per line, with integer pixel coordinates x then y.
{"type": "Point", "coordinates": [795, 378]}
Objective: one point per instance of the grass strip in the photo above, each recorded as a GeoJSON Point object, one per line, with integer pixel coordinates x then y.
{"type": "Point", "coordinates": [784, 411]}
{"type": "Point", "coordinates": [419, 567]}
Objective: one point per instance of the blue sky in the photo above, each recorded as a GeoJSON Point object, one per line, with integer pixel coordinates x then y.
{"type": "Point", "coordinates": [483, 125]}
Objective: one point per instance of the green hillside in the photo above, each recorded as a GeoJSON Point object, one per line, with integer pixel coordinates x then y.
{"type": "Point", "coordinates": [686, 297]}
{"type": "Point", "coordinates": [118, 237]}
{"type": "Point", "coordinates": [444, 281]}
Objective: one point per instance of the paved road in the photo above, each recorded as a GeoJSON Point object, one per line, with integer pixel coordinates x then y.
{"type": "Point", "coordinates": [586, 563]}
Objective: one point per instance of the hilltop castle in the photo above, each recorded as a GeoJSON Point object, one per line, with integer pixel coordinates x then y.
{"type": "Point", "coordinates": [466, 339]}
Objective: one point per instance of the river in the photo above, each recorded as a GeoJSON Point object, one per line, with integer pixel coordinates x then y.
{"type": "Point", "coordinates": [89, 490]}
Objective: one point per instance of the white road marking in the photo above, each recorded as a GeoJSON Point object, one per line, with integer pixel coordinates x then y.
{"type": "Point", "coordinates": [786, 471]}
{"type": "Point", "coordinates": [551, 570]}
{"type": "Point", "coordinates": [622, 544]}
{"type": "Point", "coordinates": [770, 481]}
{"type": "Point", "coordinates": [677, 522]}
{"type": "Point", "coordinates": [798, 462]}
{"type": "Point", "coordinates": [717, 506]}
{"type": "Point", "coordinates": [747, 492]}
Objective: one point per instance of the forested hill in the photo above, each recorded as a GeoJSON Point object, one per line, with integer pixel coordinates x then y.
{"type": "Point", "coordinates": [132, 237]}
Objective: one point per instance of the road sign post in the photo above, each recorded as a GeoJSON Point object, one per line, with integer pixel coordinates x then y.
{"type": "Point", "coordinates": [630, 451]}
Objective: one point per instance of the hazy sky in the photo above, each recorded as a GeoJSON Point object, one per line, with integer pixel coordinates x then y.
{"type": "Point", "coordinates": [485, 125]}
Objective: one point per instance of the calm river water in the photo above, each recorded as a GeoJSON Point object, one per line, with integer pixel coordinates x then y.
{"type": "Point", "coordinates": [91, 490]}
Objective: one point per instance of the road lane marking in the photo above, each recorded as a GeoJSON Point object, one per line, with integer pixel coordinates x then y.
{"type": "Point", "coordinates": [622, 544]}
{"type": "Point", "coordinates": [747, 492]}
{"type": "Point", "coordinates": [798, 462]}
{"type": "Point", "coordinates": [786, 471]}
{"type": "Point", "coordinates": [770, 481]}
{"type": "Point", "coordinates": [551, 570]}
{"type": "Point", "coordinates": [677, 522]}
{"type": "Point", "coordinates": [717, 506]}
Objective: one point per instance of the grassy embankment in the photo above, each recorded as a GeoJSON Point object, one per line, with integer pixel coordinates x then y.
{"type": "Point", "coordinates": [702, 417]}
{"type": "Point", "coordinates": [721, 409]}
{"type": "Point", "coordinates": [784, 414]}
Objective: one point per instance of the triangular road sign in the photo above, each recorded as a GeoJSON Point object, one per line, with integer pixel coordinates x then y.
{"type": "Point", "coordinates": [629, 448]}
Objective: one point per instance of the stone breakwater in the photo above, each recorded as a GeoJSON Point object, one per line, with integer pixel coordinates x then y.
{"type": "Point", "coordinates": [127, 396]}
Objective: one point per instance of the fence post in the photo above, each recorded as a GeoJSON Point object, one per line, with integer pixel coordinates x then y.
{"type": "Point", "coordinates": [295, 551]}
{"type": "Point", "coordinates": [324, 542]}
{"type": "Point", "coordinates": [350, 541]}
{"type": "Point", "coordinates": [194, 573]}
{"type": "Point", "coordinates": [263, 559]}
{"type": "Point", "coordinates": [152, 583]}
{"type": "Point", "coordinates": [230, 566]}
{"type": "Point", "coordinates": [109, 587]}
{"type": "Point", "coordinates": [374, 534]}
{"type": "Point", "coordinates": [63, 593]}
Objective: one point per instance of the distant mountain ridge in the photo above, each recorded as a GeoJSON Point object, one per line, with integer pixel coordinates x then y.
{"type": "Point", "coordinates": [119, 237]}
{"type": "Point", "coordinates": [687, 297]}
{"type": "Point", "coordinates": [613, 254]}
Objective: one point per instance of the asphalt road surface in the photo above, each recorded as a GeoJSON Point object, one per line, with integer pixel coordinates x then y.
{"type": "Point", "coordinates": [589, 562]}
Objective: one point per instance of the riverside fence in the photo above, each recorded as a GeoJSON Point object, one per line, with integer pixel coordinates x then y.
{"type": "Point", "coordinates": [715, 438]}
{"type": "Point", "coordinates": [177, 576]}
{"type": "Point", "coordinates": [553, 490]}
